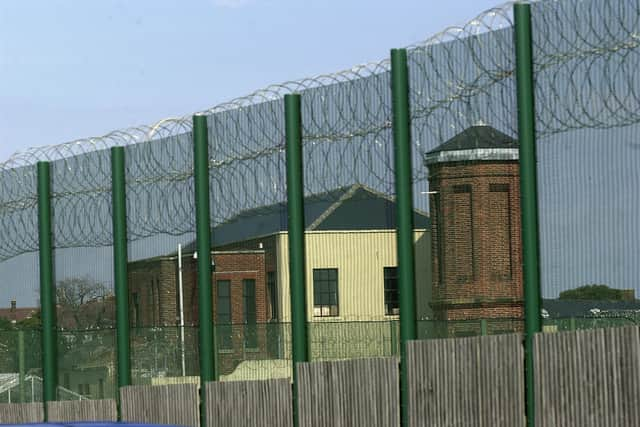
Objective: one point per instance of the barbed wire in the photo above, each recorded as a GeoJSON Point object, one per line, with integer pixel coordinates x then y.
{"type": "Point", "coordinates": [585, 62]}
{"type": "Point", "coordinates": [584, 58]}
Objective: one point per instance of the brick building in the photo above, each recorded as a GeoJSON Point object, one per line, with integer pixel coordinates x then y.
{"type": "Point", "coordinates": [17, 314]}
{"type": "Point", "coordinates": [239, 303]}
{"type": "Point", "coordinates": [475, 211]}
{"type": "Point", "coordinates": [350, 268]}
{"type": "Point", "coordinates": [154, 294]}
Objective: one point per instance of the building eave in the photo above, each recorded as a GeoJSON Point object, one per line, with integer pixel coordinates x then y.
{"type": "Point", "coordinates": [475, 155]}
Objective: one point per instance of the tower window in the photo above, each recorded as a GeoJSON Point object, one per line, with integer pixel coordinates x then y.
{"type": "Point", "coordinates": [499, 225]}
{"type": "Point", "coordinates": [458, 235]}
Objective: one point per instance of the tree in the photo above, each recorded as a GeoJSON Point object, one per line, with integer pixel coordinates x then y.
{"type": "Point", "coordinates": [5, 324]}
{"type": "Point", "coordinates": [84, 304]}
{"type": "Point", "coordinates": [33, 322]}
{"type": "Point", "coordinates": [593, 292]}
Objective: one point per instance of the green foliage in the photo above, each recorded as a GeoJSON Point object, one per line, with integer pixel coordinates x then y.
{"type": "Point", "coordinates": [33, 322]}
{"type": "Point", "coordinates": [5, 324]}
{"type": "Point", "coordinates": [593, 292]}
{"type": "Point", "coordinates": [84, 303]}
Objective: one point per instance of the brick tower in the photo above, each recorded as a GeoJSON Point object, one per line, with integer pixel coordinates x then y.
{"type": "Point", "coordinates": [475, 223]}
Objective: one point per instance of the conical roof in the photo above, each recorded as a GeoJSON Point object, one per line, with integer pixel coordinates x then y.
{"type": "Point", "coordinates": [480, 142]}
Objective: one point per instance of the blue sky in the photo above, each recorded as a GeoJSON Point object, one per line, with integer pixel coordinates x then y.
{"type": "Point", "coordinates": [74, 69]}
{"type": "Point", "coordinates": [71, 69]}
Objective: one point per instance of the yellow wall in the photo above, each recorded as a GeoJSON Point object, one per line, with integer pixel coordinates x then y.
{"type": "Point", "coordinates": [360, 257]}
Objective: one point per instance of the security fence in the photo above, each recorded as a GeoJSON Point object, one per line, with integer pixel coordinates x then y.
{"type": "Point", "coordinates": [480, 182]}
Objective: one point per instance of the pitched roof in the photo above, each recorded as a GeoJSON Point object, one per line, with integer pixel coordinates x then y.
{"type": "Point", "coordinates": [479, 136]}
{"type": "Point", "coordinates": [355, 207]}
{"type": "Point", "coordinates": [18, 314]}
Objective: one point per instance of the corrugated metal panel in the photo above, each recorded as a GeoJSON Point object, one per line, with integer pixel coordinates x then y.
{"type": "Point", "coordinates": [350, 393]}
{"type": "Point", "coordinates": [466, 381]}
{"type": "Point", "coordinates": [360, 257]}
{"type": "Point", "coordinates": [83, 410]}
{"type": "Point", "coordinates": [14, 413]}
{"type": "Point", "coordinates": [588, 378]}
{"type": "Point", "coordinates": [249, 404]}
{"type": "Point", "coordinates": [169, 404]}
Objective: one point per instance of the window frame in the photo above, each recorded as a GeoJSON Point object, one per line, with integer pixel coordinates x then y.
{"type": "Point", "coordinates": [224, 330]}
{"type": "Point", "coordinates": [331, 280]}
{"type": "Point", "coordinates": [390, 275]}
{"type": "Point", "coordinates": [250, 324]}
{"type": "Point", "coordinates": [272, 288]}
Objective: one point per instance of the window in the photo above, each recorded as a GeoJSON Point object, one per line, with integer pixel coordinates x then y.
{"type": "Point", "coordinates": [499, 226]}
{"type": "Point", "coordinates": [325, 292]}
{"type": "Point", "coordinates": [249, 300]}
{"type": "Point", "coordinates": [458, 231]}
{"type": "Point", "coordinates": [136, 310]}
{"type": "Point", "coordinates": [273, 294]}
{"type": "Point", "coordinates": [223, 314]}
{"type": "Point", "coordinates": [391, 304]}
{"type": "Point", "coordinates": [152, 298]}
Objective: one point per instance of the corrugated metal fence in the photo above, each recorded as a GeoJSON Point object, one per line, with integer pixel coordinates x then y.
{"type": "Point", "coordinates": [83, 410]}
{"type": "Point", "coordinates": [588, 378]}
{"type": "Point", "coordinates": [466, 381]}
{"type": "Point", "coordinates": [249, 403]}
{"type": "Point", "coordinates": [161, 404]}
{"type": "Point", "coordinates": [15, 413]}
{"type": "Point", "coordinates": [585, 378]}
{"type": "Point", "coordinates": [362, 392]}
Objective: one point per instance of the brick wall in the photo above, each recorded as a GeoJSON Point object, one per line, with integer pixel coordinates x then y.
{"type": "Point", "coordinates": [268, 245]}
{"type": "Point", "coordinates": [476, 243]}
{"type": "Point", "coordinates": [155, 284]}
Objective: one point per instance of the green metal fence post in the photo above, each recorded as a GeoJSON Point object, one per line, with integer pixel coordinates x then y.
{"type": "Point", "coordinates": [120, 258]}
{"type": "Point", "coordinates": [21, 365]}
{"type": "Point", "coordinates": [528, 193]}
{"type": "Point", "coordinates": [295, 205]}
{"type": "Point", "coordinates": [47, 288]}
{"type": "Point", "coordinates": [208, 371]}
{"type": "Point", "coordinates": [484, 327]}
{"type": "Point", "coordinates": [404, 203]}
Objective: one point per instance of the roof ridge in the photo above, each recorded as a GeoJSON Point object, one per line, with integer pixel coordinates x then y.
{"type": "Point", "coordinates": [331, 209]}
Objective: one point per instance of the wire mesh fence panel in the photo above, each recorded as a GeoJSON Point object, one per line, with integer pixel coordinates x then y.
{"type": "Point", "coordinates": [430, 329]}
{"type": "Point", "coordinates": [164, 355]}
{"type": "Point", "coordinates": [254, 352]}
{"type": "Point", "coordinates": [466, 175]}
{"type": "Point", "coordinates": [466, 212]}
{"type": "Point", "coordinates": [162, 285]}
{"type": "Point", "coordinates": [20, 341]}
{"type": "Point", "coordinates": [20, 366]}
{"type": "Point", "coordinates": [87, 364]}
{"type": "Point", "coordinates": [351, 340]}
{"type": "Point", "coordinates": [83, 275]}
{"type": "Point", "coordinates": [586, 88]}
